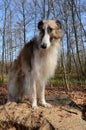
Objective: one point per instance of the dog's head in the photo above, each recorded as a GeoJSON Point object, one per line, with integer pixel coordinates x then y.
{"type": "Point", "coordinates": [50, 32]}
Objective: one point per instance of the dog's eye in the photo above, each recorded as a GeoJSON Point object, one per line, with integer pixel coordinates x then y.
{"type": "Point", "coordinates": [49, 29]}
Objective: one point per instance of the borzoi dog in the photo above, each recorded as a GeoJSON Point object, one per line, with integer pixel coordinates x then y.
{"type": "Point", "coordinates": [35, 64]}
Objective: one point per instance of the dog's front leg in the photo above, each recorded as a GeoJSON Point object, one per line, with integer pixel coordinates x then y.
{"type": "Point", "coordinates": [41, 95]}
{"type": "Point", "coordinates": [32, 93]}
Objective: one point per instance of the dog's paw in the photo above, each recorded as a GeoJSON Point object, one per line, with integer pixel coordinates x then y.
{"type": "Point", "coordinates": [45, 104]}
{"type": "Point", "coordinates": [34, 106]}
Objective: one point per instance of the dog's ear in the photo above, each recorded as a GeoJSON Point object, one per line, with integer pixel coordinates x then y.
{"type": "Point", "coordinates": [59, 24]}
{"type": "Point", "coordinates": [40, 24]}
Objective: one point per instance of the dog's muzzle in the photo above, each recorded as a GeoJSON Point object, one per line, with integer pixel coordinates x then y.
{"type": "Point", "coordinates": [44, 46]}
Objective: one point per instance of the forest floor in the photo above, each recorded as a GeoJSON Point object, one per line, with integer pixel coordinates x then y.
{"type": "Point", "coordinates": [68, 111]}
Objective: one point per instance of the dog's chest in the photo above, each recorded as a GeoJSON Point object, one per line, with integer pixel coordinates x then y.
{"type": "Point", "coordinates": [45, 65]}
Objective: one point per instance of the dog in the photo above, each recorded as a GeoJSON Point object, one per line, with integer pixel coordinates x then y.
{"type": "Point", "coordinates": [35, 64]}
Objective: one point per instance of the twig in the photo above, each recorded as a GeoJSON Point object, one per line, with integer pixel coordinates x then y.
{"type": "Point", "coordinates": [69, 111]}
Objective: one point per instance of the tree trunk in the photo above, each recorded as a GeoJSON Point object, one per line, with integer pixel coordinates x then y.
{"type": "Point", "coordinates": [3, 42]}
{"type": "Point", "coordinates": [76, 38]}
{"type": "Point", "coordinates": [24, 22]}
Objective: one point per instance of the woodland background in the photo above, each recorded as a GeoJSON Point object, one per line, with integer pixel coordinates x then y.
{"type": "Point", "coordinates": [18, 24]}
{"type": "Point", "coordinates": [67, 90]}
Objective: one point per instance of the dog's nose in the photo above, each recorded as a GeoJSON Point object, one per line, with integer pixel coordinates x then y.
{"type": "Point", "coordinates": [44, 46]}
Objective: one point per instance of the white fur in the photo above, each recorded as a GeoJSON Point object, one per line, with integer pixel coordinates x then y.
{"type": "Point", "coordinates": [46, 38]}
{"type": "Point", "coordinates": [39, 76]}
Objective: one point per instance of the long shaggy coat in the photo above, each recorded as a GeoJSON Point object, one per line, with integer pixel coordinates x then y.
{"type": "Point", "coordinates": [35, 64]}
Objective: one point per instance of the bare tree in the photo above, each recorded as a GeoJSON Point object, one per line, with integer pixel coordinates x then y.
{"type": "Point", "coordinates": [6, 5]}
{"type": "Point", "coordinates": [24, 18]}
{"type": "Point", "coordinates": [67, 32]}
{"type": "Point", "coordinates": [20, 18]}
{"type": "Point", "coordinates": [76, 35]}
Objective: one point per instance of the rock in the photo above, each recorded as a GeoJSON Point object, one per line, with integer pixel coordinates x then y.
{"type": "Point", "coordinates": [21, 116]}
